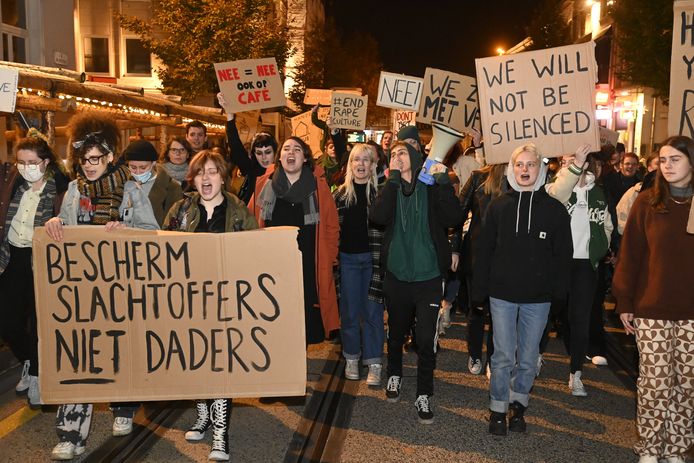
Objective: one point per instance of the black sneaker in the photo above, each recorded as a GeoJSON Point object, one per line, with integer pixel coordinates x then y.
{"type": "Point", "coordinates": [393, 388]}
{"type": "Point", "coordinates": [497, 424]}
{"type": "Point", "coordinates": [423, 406]}
{"type": "Point", "coordinates": [516, 422]}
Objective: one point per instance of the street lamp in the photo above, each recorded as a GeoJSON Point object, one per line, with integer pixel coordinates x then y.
{"type": "Point", "coordinates": [500, 51]}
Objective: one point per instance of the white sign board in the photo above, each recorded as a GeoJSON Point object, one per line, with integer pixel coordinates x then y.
{"type": "Point", "coordinates": [8, 89]}
{"type": "Point", "coordinates": [399, 91]}
{"type": "Point", "coordinates": [681, 113]}
{"type": "Point", "coordinates": [250, 84]}
{"type": "Point", "coordinates": [348, 111]}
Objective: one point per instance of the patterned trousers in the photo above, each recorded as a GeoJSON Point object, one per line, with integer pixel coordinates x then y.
{"type": "Point", "coordinates": [665, 408]}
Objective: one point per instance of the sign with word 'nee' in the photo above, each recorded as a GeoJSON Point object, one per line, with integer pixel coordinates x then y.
{"type": "Point", "coordinates": [399, 91]}
{"type": "Point", "coordinates": [545, 96]}
{"type": "Point", "coordinates": [8, 89]}
{"type": "Point", "coordinates": [449, 99]}
{"type": "Point", "coordinates": [681, 112]}
{"type": "Point", "coordinates": [348, 111]}
{"type": "Point", "coordinates": [137, 315]}
{"type": "Point", "coordinates": [250, 84]}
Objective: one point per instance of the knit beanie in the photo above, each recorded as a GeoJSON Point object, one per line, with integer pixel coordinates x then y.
{"type": "Point", "coordinates": [140, 150]}
{"type": "Point", "coordinates": [409, 131]}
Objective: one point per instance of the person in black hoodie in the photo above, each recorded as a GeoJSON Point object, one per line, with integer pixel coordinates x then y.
{"type": "Point", "coordinates": [416, 255]}
{"type": "Point", "coordinates": [522, 262]}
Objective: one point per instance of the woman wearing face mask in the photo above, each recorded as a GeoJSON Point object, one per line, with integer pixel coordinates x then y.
{"type": "Point", "coordinates": [151, 192]}
{"type": "Point", "coordinates": [93, 198]}
{"type": "Point", "coordinates": [653, 287]}
{"type": "Point", "coordinates": [521, 263]}
{"type": "Point", "coordinates": [361, 286]}
{"type": "Point", "coordinates": [31, 191]}
{"type": "Point", "coordinates": [262, 155]}
{"type": "Point", "coordinates": [175, 160]}
{"type": "Point", "coordinates": [210, 209]}
{"type": "Point", "coordinates": [294, 193]}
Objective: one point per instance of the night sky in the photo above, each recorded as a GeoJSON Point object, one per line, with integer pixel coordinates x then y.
{"type": "Point", "coordinates": [443, 34]}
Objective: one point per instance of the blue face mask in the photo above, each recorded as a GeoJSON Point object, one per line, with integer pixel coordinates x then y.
{"type": "Point", "coordinates": [143, 178]}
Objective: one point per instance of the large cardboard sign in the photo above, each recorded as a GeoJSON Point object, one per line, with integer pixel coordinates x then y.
{"type": "Point", "coordinates": [322, 96]}
{"type": "Point", "coordinates": [250, 84]}
{"type": "Point", "coordinates": [152, 315]}
{"type": "Point", "coordinates": [608, 137]}
{"type": "Point", "coordinates": [545, 97]}
{"type": "Point", "coordinates": [403, 118]}
{"type": "Point", "coordinates": [247, 125]}
{"type": "Point", "coordinates": [8, 89]}
{"type": "Point", "coordinates": [399, 91]}
{"type": "Point", "coordinates": [348, 111]}
{"type": "Point", "coordinates": [302, 127]}
{"type": "Point", "coordinates": [449, 99]}
{"type": "Point", "coordinates": [681, 112]}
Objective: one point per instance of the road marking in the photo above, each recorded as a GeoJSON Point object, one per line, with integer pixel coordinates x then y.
{"type": "Point", "coordinates": [16, 420]}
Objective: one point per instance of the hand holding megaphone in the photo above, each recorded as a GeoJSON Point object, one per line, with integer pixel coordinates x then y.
{"type": "Point", "coordinates": [443, 140]}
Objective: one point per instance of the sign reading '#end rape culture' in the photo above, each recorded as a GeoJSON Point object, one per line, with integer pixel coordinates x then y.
{"type": "Point", "coordinates": [250, 84]}
{"type": "Point", "coordinates": [681, 112]}
{"type": "Point", "coordinates": [154, 315]}
{"type": "Point", "coordinates": [545, 97]}
{"type": "Point", "coordinates": [348, 111]}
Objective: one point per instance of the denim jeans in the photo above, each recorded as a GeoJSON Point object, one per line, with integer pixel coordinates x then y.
{"type": "Point", "coordinates": [361, 319]}
{"type": "Point", "coordinates": [517, 332]}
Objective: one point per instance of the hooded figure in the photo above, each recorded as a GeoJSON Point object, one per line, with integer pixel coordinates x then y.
{"type": "Point", "coordinates": [521, 264]}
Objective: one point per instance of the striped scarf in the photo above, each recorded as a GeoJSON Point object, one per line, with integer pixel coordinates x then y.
{"type": "Point", "coordinates": [104, 195]}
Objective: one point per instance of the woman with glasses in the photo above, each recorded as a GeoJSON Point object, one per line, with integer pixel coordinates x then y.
{"type": "Point", "coordinates": [210, 210]}
{"type": "Point", "coordinates": [30, 194]}
{"type": "Point", "coordinates": [175, 160]}
{"type": "Point", "coordinates": [93, 198]}
{"type": "Point", "coordinates": [252, 167]}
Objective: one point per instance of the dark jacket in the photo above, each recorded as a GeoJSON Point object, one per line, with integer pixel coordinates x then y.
{"type": "Point", "coordinates": [247, 164]}
{"type": "Point", "coordinates": [444, 212]}
{"type": "Point", "coordinates": [164, 193]}
{"type": "Point", "coordinates": [523, 255]}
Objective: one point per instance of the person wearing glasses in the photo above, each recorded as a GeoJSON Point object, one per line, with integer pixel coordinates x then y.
{"type": "Point", "coordinates": [175, 160]}
{"type": "Point", "coordinates": [30, 194]}
{"type": "Point", "coordinates": [93, 198]}
{"type": "Point", "coordinates": [210, 209]}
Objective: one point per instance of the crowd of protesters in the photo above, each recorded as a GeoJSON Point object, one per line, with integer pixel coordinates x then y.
{"type": "Point", "coordinates": [516, 247]}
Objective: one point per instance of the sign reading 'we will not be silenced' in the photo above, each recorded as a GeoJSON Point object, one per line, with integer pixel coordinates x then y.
{"type": "Point", "coordinates": [545, 96]}
{"type": "Point", "coordinates": [250, 84]}
{"type": "Point", "coordinates": [146, 315]}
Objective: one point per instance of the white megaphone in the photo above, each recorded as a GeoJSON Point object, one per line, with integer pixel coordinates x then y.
{"type": "Point", "coordinates": [442, 141]}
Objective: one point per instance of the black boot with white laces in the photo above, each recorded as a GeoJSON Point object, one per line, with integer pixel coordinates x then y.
{"type": "Point", "coordinates": [202, 423]}
{"type": "Point", "coordinates": [220, 413]}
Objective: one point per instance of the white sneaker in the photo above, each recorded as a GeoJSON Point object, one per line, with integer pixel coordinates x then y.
{"type": "Point", "coordinates": [34, 395]}
{"type": "Point", "coordinates": [674, 460]}
{"type": "Point", "coordinates": [352, 369]}
{"type": "Point", "coordinates": [67, 451]}
{"type": "Point", "coordinates": [576, 385]}
{"type": "Point", "coordinates": [474, 366]}
{"type": "Point", "coordinates": [122, 426]}
{"type": "Point", "coordinates": [538, 367]}
{"type": "Point", "coordinates": [648, 459]}
{"type": "Point", "coordinates": [23, 385]}
{"type": "Point", "coordinates": [599, 360]}
{"type": "Point", "coordinates": [374, 376]}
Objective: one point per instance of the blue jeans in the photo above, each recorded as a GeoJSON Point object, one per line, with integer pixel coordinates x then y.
{"type": "Point", "coordinates": [361, 319]}
{"type": "Point", "coordinates": [517, 332]}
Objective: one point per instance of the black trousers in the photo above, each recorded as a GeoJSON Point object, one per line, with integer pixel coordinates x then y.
{"type": "Point", "coordinates": [475, 330]}
{"type": "Point", "coordinates": [596, 345]}
{"type": "Point", "coordinates": [421, 300]}
{"type": "Point", "coordinates": [18, 308]}
{"type": "Point", "coordinates": [581, 293]}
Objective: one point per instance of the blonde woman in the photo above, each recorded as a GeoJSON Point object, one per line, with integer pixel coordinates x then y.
{"type": "Point", "coordinates": [361, 300]}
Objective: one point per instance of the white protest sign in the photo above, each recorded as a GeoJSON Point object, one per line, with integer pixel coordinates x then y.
{"type": "Point", "coordinates": [681, 112]}
{"type": "Point", "coordinates": [250, 84]}
{"type": "Point", "coordinates": [8, 89]}
{"type": "Point", "coordinates": [608, 136]}
{"type": "Point", "coordinates": [348, 111]}
{"type": "Point", "coordinates": [545, 96]}
{"type": "Point", "coordinates": [402, 119]}
{"type": "Point", "coordinates": [399, 91]}
{"type": "Point", "coordinates": [449, 99]}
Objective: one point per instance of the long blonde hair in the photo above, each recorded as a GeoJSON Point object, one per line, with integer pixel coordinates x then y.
{"type": "Point", "coordinates": [346, 190]}
{"type": "Point", "coordinates": [495, 177]}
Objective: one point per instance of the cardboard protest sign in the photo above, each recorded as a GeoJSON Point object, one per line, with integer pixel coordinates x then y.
{"type": "Point", "coordinates": [608, 136]}
{"type": "Point", "coordinates": [403, 119]}
{"type": "Point", "coordinates": [399, 91]}
{"type": "Point", "coordinates": [449, 99]}
{"type": "Point", "coordinates": [250, 84]}
{"type": "Point", "coordinates": [302, 127]}
{"type": "Point", "coordinates": [545, 96]}
{"type": "Point", "coordinates": [8, 89]}
{"type": "Point", "coordinates": [152, 315]}
{"type": "Point", "coordinates": [247, 125]}
{"type": "Point", "coordinates": [681, 110]}
{"type": "Point", "coordinates": [348, 111]}
{"type": "Point", "coordinates": [314, 96]}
